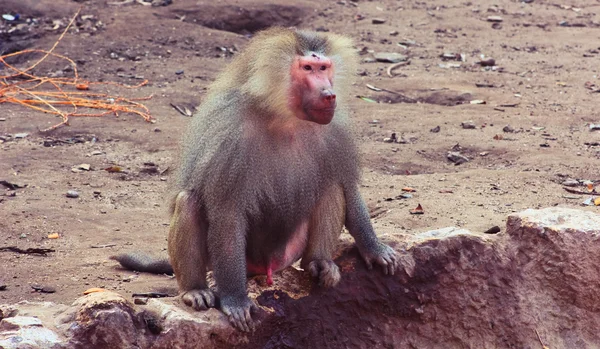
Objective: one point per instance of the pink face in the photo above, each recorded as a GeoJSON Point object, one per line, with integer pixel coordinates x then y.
{"type": "Point", "coordinates": [313, 98]}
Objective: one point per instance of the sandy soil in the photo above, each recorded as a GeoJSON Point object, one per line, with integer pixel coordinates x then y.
{"type": "Point", "coordinates": [541, 72]}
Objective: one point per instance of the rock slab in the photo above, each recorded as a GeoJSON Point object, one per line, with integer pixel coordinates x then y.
{"type": "Point", "coordinates": [456, 289]}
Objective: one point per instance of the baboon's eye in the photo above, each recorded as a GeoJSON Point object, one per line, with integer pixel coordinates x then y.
{"type": "Point", "coordinates": [323, 67]}
{"type": "Point", "coordinates": [307, 67]}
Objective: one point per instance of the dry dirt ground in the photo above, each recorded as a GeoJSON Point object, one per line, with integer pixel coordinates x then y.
{"type": "Point", "coordinates": [544, 54]}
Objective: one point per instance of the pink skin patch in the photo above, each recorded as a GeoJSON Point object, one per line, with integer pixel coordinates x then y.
{"type": "Point", "coordinates": [313, 98]}
{"type": "Point", "coordinates": [291, 253]}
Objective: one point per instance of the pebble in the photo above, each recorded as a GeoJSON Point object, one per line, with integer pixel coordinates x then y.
{"type": "Point", "coordinates": [508, 129]}
{"type": "Point", "coordinates": [493, 230]}
{"type": "Point", "coordinates": [378, 21]}
{"type": "Point", "coordinates": [390, 57]}
{"type": "Point", "coordinates": [44, 289]}
{"type": "Point", "coordinates": [3, 286]}
{"type": "Point", "coordinates": [457, 158]}
{"type": "Point", "coordinates": [468, 125]}
{"type": "Point", "coordinates": [21, 135]}
{"type": "Point", "coordinates": [435, 129]}
{"type": "Point", "coordinates": [496, 19]}
{"type": "Point", "coordinates": [48, 289]}
{"type": "Point", "coordinates": [571, 183]}
{"type": "Point", "coordinates": [72, 194]}
{"type": "Point", "coordinates": [140, 300]}
{"type": "Point", "coordinates": [488, 62]}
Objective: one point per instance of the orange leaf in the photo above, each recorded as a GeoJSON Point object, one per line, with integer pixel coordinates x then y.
{"type": "Point", "coordinates": [590, 187]}
{"type": "Point", "coordinates": [53, 236]}
{"type": "Point", "coordinates": [82, 87]}
{"type": "Point", "coordinates": [418, 210]}
{"type": "Point", "coordinates": [93, 290]}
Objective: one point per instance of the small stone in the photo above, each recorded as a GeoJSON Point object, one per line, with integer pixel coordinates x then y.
{"type": "Point", "coordinates": [488, 62]}
{"type": "Point", "coordinates": [468, 125]}
{"type": "Point", "coordinates": [48, 289]}
{"type": "Point", "coordinates": [21, 135]}
{"type": "Point", "coordinates": [3, 286]}
{"type": "Point", "coordinates": [97, 152]}
{"type": "Point", "coordinates": [435, 129]}
{"type": "Point", "coordinates": [407, 42]}
{"type": "Point", "coordinates": [378, 21]}
{"type": "Point", "coordinates": [2, 119]}
{"type": "Point", "coordinates": [140, 300]}
{"type": "Point", "coordinates": [496, 19]}
{"type": "Point", "coordinates": [493, 230]}
{"type": "Point", "coordinates": [390, 57]}
{"type": "Point", "coordinates": [392, 139]}
{"type": "Point", "coordinates": [179, 72]}
{"type": "Point", "coordinates": [23, 236]}
{"type": "Point", "coordinates": [508, 129]}
{"type": "Point", "coordinates": [457, 158]}
{"type": "Point", "coordinates": [450, 56]}
{"type": "Point", "coordinates": [72, 194]}
{"type": "Point", "coordinates": [571, 183]}
{"type": "Point", "coordinates": [156, 3]}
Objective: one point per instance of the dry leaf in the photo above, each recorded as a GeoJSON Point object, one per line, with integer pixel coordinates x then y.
{"type": "Point", "coordinates": [93, 290]}
{"type": "Point", "coordinates": [409, 189]}
{"type": "Point", "coordinates": [53, 236]}
{"type": "Point", "coordinates": [418, 210]}
{"type": "Point", "coordinates": [114, 169]}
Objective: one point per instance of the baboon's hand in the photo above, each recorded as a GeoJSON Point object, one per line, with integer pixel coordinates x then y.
{"type": "Point", "coordinates": [383, 255]}
{"type": "Point", "coordinates": [239, 313]}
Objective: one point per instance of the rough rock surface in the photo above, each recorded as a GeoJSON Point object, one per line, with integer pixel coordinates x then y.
{"type": "Point", "coordinates": [456, 289]}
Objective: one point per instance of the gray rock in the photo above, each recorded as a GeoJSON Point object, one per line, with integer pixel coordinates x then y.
{"type": "Point", "coordinates": [26, 332]}
{"type": "Point", "coordinates": [570, 182]}
{"type": "Point", "coordinates": [457, 158]}
{"type": "Point", "coordinates": [389, 57]}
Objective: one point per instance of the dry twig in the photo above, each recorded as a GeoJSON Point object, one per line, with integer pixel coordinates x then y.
{"type": "Point", "coordinates": [25, 88]}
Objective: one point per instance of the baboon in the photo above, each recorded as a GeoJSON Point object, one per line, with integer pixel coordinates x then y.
{"type": "Point", "coordinates": [269, 174]}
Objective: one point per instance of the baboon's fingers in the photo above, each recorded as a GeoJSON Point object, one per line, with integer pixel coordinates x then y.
{"type": "Point", "coordinates": [240, 317]}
